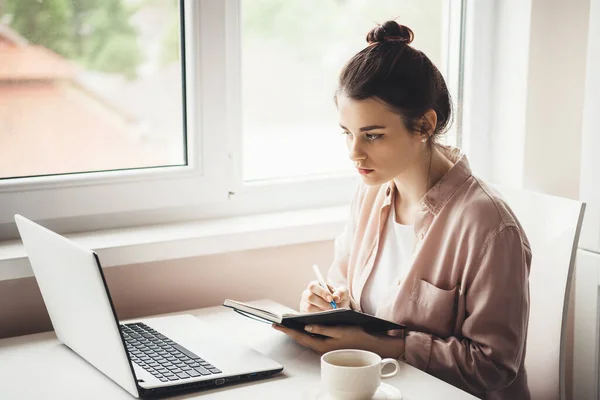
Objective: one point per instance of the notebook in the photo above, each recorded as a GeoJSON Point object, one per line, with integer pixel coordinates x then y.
{"type": "Point", "coordinates": [340, 316]}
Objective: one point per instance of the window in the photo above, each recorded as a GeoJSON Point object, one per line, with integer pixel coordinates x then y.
{"type": "Point", "coordinates": [110, 117]}
{"type": "Point", "coordinates": [90, 86]}
{"type": "Point", "coordinates": [137, 111]}
{"type": "Point", "coordinates": [292, 52]}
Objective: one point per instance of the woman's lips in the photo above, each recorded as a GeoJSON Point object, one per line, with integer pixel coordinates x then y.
{"type": "Point", "coordinates": [364, 171]}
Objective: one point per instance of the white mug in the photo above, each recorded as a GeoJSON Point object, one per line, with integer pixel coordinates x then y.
{"type": "Point", "coordinates": [353, 374]}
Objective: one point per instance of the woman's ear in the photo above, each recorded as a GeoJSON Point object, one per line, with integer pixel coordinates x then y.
{"type": "Point", "coordinates": [429, 124]}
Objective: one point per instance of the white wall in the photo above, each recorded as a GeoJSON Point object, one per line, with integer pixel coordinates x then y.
{"type": "Point", "coordinates": [585, 350]}
{"type": "Point", "coordinates": [278, 273]}
{"type": "Point", "coordinates": [590, 154]}
{"type": "Point", "coordinates": [538, 75]}
{"type": "Point", "coordinates": [509, 90]}
{"type": "Point", "coordinates": [587, 329]}
{"type": "Point", "coordinates": [555, 91]}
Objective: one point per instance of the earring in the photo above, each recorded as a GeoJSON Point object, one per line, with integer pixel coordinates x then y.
{"type": "Point", "coordinates": [424, 140]}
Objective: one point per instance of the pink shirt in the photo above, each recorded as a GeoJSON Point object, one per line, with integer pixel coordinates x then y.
{"type": "Point", "coordinates": [465, 300]}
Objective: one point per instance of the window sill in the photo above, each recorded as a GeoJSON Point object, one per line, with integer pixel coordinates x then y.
{"type": "Point", "coordinates": [172, 241]}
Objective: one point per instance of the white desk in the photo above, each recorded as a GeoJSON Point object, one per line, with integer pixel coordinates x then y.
{"type": "Point", "coordinates": [39, 367]}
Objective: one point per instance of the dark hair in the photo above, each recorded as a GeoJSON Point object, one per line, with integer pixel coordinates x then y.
{"type": "Point", "coordinates": [399, 75]}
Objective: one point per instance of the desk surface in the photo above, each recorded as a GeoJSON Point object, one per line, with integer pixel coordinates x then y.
{"type": "Point", "coordinates": [39, 367]}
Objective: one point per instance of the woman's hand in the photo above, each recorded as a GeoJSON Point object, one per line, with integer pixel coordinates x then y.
{"type": "Point", "coordinates": [315, 298]}
{"type": "Point", "coordinates": [345, 337]}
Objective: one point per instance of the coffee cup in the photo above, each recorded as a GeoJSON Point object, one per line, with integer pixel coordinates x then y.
{"type": "Point", "coordinates": [353, 374]}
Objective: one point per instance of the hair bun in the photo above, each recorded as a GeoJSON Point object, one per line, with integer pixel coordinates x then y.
{"type": "Point", "coordinates": [390, 31]}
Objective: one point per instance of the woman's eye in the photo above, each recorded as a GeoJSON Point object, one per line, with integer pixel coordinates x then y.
{"type": "Point", "coordinates": [373, 136]}
{"type": "Point", "coordinates": [346, 133]}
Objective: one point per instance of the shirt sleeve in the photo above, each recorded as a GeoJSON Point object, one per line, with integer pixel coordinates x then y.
{"type": "Point", "coordinates": [489, 354]}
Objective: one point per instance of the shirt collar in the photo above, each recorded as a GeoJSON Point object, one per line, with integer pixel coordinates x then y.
{"type": "Point", "coordinates": [435, 199]}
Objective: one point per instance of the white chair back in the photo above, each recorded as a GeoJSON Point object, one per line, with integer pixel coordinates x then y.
{"type": "Point", "coordinates": [552, 225]}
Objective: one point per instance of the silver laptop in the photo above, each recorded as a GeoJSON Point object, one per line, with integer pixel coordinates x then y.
{"type": "Point", "coordinates": [148, 357]}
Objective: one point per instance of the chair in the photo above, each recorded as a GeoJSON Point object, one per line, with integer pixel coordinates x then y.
{"type": "Point", "coordinates": [552, 225]}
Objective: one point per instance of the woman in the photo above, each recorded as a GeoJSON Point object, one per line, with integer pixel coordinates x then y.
{"type": "Point", "coordinates": [427, 244]}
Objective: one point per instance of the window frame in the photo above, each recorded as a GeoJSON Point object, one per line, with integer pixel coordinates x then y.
{"type": "Point", "coordinates": [480, 20]}
{"type": "Point", "coordinates": [211, 185]}
{"type": "Point", "coordinates": [113, 192]}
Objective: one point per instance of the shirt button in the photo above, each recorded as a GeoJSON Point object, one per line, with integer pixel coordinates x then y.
{"type": "Point", "coordinates": [422, 235]}
{"type": "Point", "coordinates": [387, 192]}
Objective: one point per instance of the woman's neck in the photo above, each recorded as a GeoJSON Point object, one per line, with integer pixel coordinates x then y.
{"type": "Point", "coordinates": [412, 186]}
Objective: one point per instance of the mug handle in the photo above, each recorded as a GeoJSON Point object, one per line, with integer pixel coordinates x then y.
{"type": "Point", "coordinates": [385, 362]}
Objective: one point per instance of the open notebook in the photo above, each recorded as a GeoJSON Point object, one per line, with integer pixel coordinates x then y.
{"type": "Point", "coordinates": [340, 316]}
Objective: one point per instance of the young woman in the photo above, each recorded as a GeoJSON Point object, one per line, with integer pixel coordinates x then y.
{"type": "Point", "coordinates": [427, 244]}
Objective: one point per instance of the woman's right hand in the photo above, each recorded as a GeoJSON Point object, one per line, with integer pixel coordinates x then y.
{"type": "Point", "coordinates": [315, 298]}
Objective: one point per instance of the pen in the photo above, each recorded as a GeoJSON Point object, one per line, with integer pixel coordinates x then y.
{"type": "Point", "coordinates": [322, 283]}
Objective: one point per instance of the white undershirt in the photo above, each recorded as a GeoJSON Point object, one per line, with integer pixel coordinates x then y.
{"type": "Point", "coordinates": [392, 263]}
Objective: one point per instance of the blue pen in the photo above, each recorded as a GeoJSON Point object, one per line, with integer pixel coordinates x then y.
{"type": "Point", "coordinates": [323, 284]}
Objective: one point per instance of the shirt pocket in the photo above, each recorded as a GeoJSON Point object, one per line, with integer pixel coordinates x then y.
{"type": "Point", "coordinates": [431, 309]}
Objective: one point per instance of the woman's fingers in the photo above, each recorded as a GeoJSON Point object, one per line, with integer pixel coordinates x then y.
{"type": "Point", "coordinates": [317, 289]}
{"type": "Point", "coordinates": [340, 294]}
{"type": "Point", "coordinates": [329, 331]}
{"type": "Point", "coordinates": [315, 300]}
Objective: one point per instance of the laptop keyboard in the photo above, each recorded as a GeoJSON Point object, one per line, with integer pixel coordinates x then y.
{"type": "Point", "coordinates": [162, 357]}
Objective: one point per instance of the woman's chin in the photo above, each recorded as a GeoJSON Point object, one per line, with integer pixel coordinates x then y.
{"type": "Point", "coordinates": [373, 179]}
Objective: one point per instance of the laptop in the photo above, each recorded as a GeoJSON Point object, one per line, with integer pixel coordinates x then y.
{"type": "Point", "coordinates": [147, 357]}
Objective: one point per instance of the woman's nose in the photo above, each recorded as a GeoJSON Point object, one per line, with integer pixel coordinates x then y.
{"type": "Point", "coordinates": [355, 152]}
